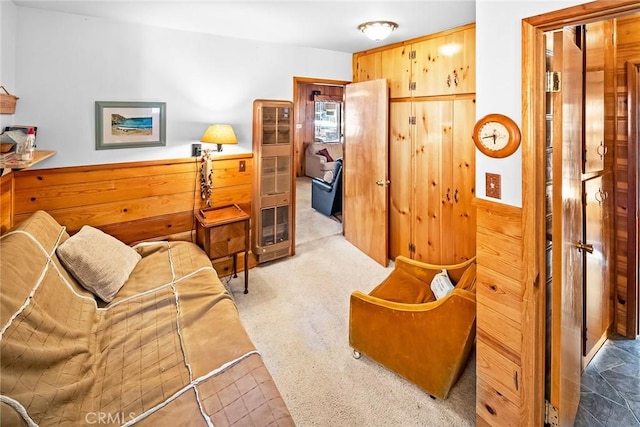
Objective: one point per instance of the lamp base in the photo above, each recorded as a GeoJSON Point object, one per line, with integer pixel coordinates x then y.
{"type": "Point", "coordinates": [219, 148]}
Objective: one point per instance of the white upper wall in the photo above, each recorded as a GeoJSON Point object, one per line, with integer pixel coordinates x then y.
{"type": "Point", "coordinates": [499, 81]}
{"type": "Point", "coordinates": [64, 63]}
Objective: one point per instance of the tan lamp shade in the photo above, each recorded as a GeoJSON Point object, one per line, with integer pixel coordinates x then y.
{"type": "Point", "coordinates": [219, 134]}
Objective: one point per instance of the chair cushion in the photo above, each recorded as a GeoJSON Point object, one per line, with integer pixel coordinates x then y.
{"type": "Point", "coordinates": [468, 279]}
{"type": "Point", "coordinates": [403, 287]}
{"type": "Point", "coordinates": [99, 262]}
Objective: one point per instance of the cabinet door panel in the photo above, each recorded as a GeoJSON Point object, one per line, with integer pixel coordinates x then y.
{"type": "Point", "coordinates": [463, 219]}
{"type": "Point", "coordinates": [433, 135]}
{"type": "Point", "coordinates": [401, 177]}
{"type": "Point", "coordinates": [396, 68]}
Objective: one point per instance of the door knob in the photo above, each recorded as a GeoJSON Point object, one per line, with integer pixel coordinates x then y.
{"type": "Point", "coordinates": [585, 247]}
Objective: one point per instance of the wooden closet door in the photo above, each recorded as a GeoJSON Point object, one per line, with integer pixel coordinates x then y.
{"type": "Point", "coordinates": [434, 192]}
{"type": "Point", "coordinates": [401, 177]}
{"type": "Point", "coordinates": [463, 214]}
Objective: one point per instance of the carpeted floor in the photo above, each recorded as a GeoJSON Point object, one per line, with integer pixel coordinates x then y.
{"type": "Point", "coordinates": [297, 313]}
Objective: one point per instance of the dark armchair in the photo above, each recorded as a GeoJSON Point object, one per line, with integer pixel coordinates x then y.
{"type": "Point", "coordinates": [326, 197]}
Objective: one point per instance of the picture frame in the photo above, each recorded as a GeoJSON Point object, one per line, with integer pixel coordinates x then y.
{"type": "Point", "coordinates": [130, 124]}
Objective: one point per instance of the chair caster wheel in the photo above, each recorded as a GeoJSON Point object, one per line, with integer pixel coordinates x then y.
{"type": "Point", "coordinates": [356, 354]}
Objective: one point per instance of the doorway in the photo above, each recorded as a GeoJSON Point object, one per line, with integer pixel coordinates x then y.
{"type": "Point", "coordinates": [626, 295]}
{"type": "Point", "coordinates": [318, 112]}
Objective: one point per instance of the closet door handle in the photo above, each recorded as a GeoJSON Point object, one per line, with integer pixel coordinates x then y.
{"type": "Point", "coordinates": [381, 182]}
{"type": "Point", "coordinates": [448, 194]}
{"type": "Point", "coordinates": [584, 247]}
{"type": "Point", "coordinates": [455, 196]}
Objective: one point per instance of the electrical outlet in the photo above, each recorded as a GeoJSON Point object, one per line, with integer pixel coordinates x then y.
{"type": "Point", "coordinates": [493, 186]}
{"type": "Point", "coordinates": [242, 166]}
{"type": "Point", "coordinates": [196, 150]}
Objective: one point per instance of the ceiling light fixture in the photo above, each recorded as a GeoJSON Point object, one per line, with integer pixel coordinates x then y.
{"type": "Point", "coordinates": [377, 30]}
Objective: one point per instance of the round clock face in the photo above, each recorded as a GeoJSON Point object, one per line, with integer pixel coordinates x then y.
{"type": "Point", "coordinates": [496, 135]}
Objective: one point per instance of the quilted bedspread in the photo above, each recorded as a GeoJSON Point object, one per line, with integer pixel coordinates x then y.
{"type": "Point", "coordinates": [168, 350]}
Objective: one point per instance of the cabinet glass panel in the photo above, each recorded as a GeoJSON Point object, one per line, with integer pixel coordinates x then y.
{"type": "Point", "coordinates": [274, 225]}
{"type": "Point", "coordinates": [276, 175]}
{"type": "Point", "coordinates": [268, 226]}
{"type": "Point", "coordinates": [282, 224]}
{"type": "Point", "coordinates": [275, 125]}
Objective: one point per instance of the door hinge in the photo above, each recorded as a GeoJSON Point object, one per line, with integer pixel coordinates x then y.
{"type": "Point", "coordinates": [412, 85]}
{"type": "Point", "coordinates": [412, 54]}
{"type": "Point", "coordinates": [554, 79]}
{"type": "Point", "coordinates": [550, 414]}
{"type": "Point", "coordinates": [412, 248]}
{"type": "Point", "coordinates": [412, 120]}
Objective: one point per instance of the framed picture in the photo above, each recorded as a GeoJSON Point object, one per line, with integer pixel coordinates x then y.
{"type": "Point", "coordinates": [130, 124]}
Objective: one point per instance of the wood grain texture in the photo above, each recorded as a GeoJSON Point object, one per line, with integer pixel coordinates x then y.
{"type": "Point", "coordinates": [133, 201]}
{"type": "Point", "coordinates": [6, 202]}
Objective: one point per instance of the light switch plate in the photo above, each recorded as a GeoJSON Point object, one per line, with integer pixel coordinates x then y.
{"type": "Point", "coordinates": [493, 186]}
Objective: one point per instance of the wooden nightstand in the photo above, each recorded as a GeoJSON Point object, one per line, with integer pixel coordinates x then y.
{"type": "Point", "coordinates": [224, 232]}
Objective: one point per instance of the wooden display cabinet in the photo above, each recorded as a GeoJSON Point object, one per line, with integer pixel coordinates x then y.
{"type": "Point", "coordinates": [272, 205]}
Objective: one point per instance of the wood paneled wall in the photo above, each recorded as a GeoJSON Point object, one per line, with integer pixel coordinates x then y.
{"type": "Point", "coordinates": [502, 369]}
{"type": "Point", "coordinates": [6, 202]}
{"type": "Point", "coordinates": [131, 201]}
{"type": "Point", "coordinates": [627, 49]}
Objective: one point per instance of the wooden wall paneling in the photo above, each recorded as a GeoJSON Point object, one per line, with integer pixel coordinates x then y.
{"type": "Point", "coordinates": [6, 202]}
{"type": "Point", "coordinates": [401, 157]}
{"type": "Point", "coordinates": [492, 408]}
{"type": "Point", "coordinates": [627, 33]}
{"type": "Point", "coordinates": [495, 368]}
{"type": "Point", "coordinates": [500, 293]}
{"type": "Point", "coordinates": [132, 201]}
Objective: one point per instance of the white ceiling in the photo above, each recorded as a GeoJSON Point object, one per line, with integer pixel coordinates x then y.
{"type": "Point", "coordinates": [330, 24]}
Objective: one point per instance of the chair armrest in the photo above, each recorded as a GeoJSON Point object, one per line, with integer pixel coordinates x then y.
{"type": "Point", "coordinates": [321, 184]}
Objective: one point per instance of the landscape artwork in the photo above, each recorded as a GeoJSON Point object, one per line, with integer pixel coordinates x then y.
{"type": "Point", "coordinates": [129, 124]}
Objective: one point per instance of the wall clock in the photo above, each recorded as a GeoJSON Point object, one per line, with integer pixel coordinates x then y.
{"type": "Point", "coordinates": [496, 135]}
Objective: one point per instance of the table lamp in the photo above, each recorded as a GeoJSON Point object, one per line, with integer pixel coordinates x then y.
{"type": "Point", "coordinates": [219, 134]}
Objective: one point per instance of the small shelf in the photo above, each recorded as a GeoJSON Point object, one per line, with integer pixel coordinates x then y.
{"type": "Point", "coordinates": [9, 160]}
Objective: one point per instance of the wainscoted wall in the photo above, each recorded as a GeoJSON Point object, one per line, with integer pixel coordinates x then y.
{"type": "Point", "coordinates": [132, 201]}
{"type": "Point", "coordinates": [628, 40]}
{"type": "Point", "coordinates": [6, 202]}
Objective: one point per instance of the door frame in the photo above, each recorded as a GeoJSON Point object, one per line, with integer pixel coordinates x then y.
{"type": "Point", "coordinates": [299, 82]}
{"type": "Point", "coordinates": [633, 240]}
{"type": "Point", "coordinates": [533, 163]}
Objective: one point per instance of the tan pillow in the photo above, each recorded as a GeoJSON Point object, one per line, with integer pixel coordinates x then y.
{"type": "Point", "coordinates": [100, 262]}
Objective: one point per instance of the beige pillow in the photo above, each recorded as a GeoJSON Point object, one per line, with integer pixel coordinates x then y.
{"type": "Point", "coordinates": [100, 262]}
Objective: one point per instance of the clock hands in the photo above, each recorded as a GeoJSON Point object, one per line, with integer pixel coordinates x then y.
{"type": "Point", "coordinates": [494, 136]}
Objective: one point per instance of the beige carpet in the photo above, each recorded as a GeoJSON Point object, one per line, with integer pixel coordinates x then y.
{"type": "Point", "coordinates": [297, 314]}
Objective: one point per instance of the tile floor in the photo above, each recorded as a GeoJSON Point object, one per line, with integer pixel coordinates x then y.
{"type": "Point", "coordinates": [610, 386]}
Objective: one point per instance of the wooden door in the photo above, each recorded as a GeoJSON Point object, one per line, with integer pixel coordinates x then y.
{"type": "Point", "coordinates": [598, 302]}
{"type": "Point", "coordinates": [434, 190]}
{"type": "Point", "coordinates": [366, 173]}
{"type": "Point", "coordinates": [396, 67]}
{"type": "Point", "coordinates": [463, 213]}
{"type": "Point", "coordinates": [567, 260]}
{"type": "Point", "coordinates": [401, 177]}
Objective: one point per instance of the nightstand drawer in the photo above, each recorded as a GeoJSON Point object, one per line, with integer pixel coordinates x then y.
{"type": "Point", "coordinates": [223, 240]}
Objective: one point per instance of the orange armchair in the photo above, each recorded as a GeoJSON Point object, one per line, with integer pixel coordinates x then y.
{"type": "Point", "coordinates": [403, 327]}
